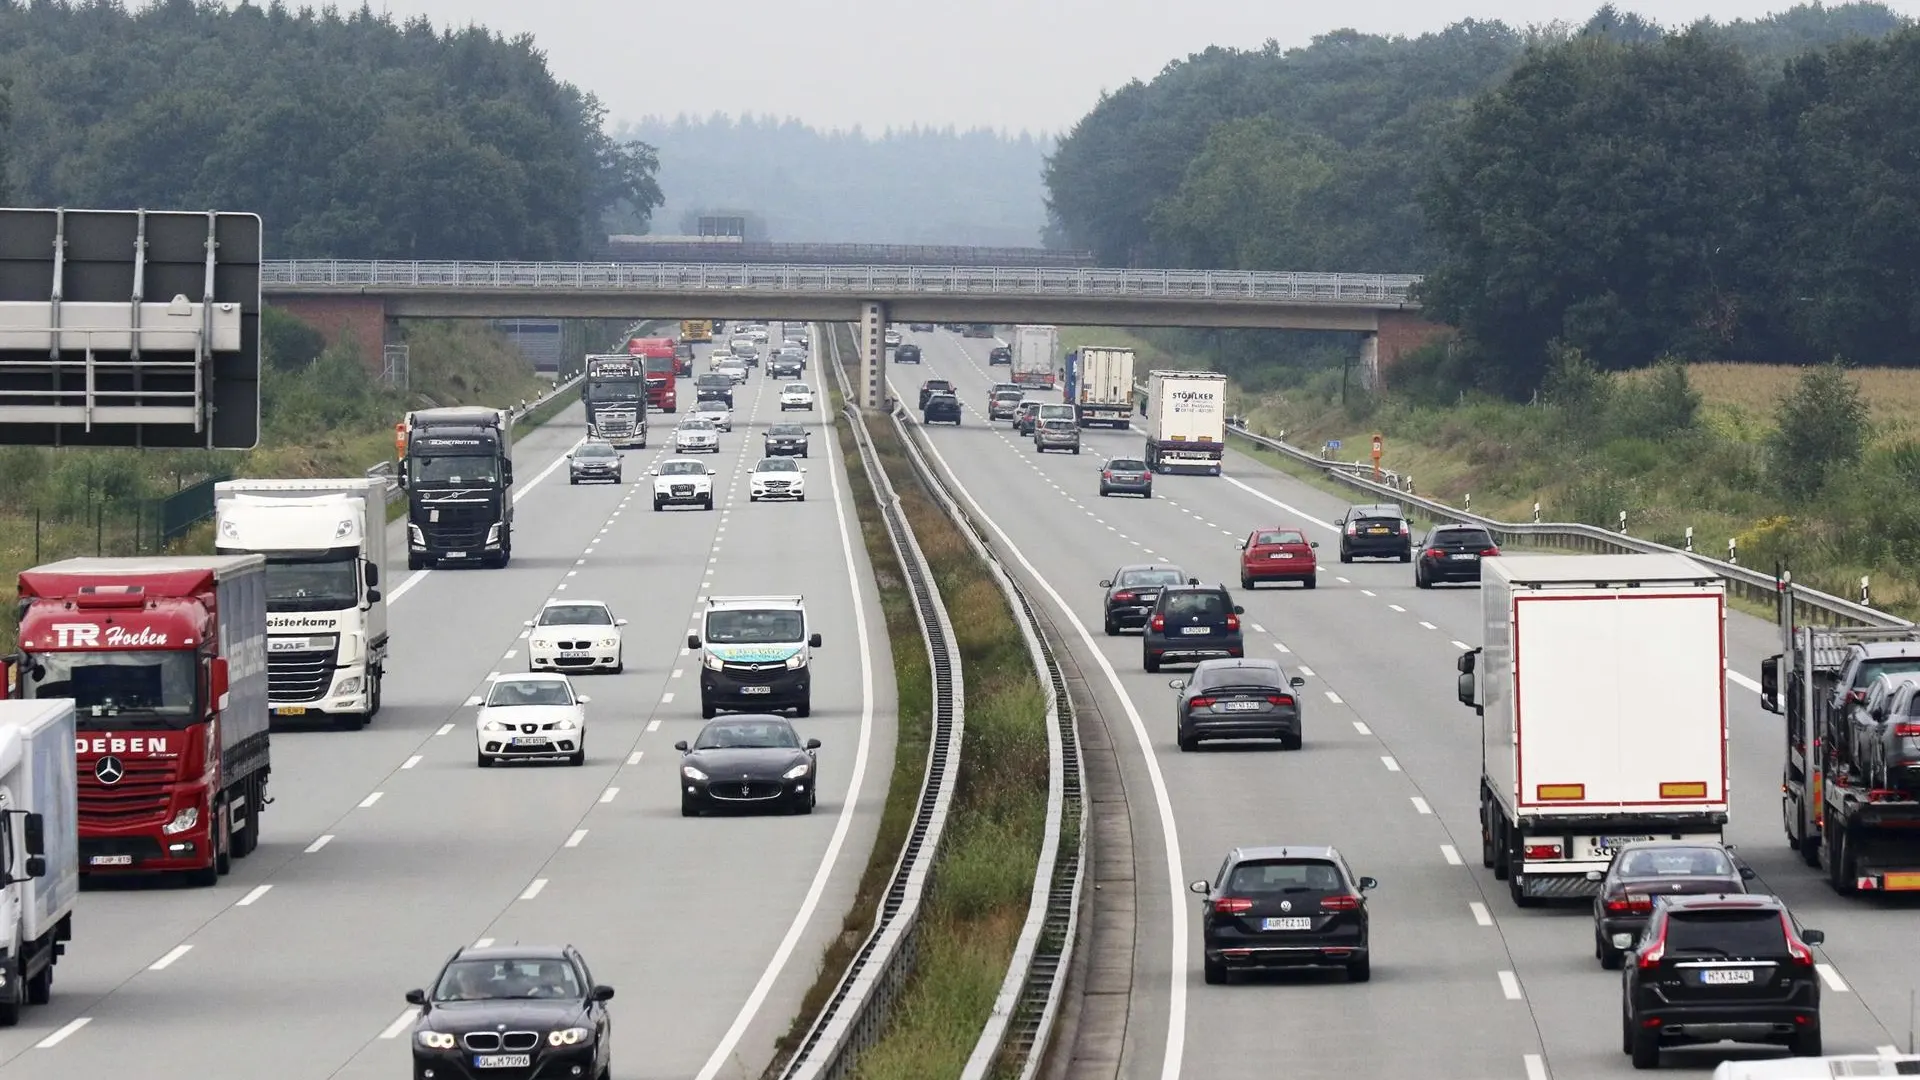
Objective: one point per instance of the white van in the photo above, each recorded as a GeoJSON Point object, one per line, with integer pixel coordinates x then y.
{"type": "Point", "coordinates": [1821, 1068]}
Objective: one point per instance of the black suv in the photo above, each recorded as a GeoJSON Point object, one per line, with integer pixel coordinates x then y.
{"type": "Point", "coordinates": [932, 387]}
{"type": "Point", "coordinates": [1000, 355]}
{"type": "Point", "coordinates": [1191, 623]}
{"type": "Point", "coordinates": [906, 354]}
{"type": "Point", "coordinates": [1133, 590]}
{"type": "Point", "coordinates": [786, 367]}
{"type": "Point", "coordinates": [941, 408]}
{"type": "Point", "coordinates": [1452, 553]}
{"type": "Point", "coordinates": [1720, 968]}
{"type": "Point", "coordinates": [1374, 532]}
{"type": "Point", "coordinates": [786, 439]}
{"type": "Point", "coordinates": [1285, 907]}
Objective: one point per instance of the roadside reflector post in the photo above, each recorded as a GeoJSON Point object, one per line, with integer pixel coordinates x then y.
{"type": "Point", "coordinates": [1623, 522]}
{"type": "Point", "coordinates": [1689, 539]}
{"type": "Point", "coordinates": [1733, 551]}
{"type": "Point", "coordinates": [1536, 513]}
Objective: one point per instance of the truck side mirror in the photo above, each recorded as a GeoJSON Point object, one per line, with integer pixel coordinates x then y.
{"type": "Point", "coordinates": [217, 681]}
{"type": "Point", "coordinates": [1465, 662]}
{"type": "Point", "coordinates": [506, 472]}
{"type": "Point", "coordinates": [373, 596]}
{"type": "Point", "coordinates": [1465, 689]}
{"type": "Point", "coordinates": [401, 479]}
{"type": "Point", "coordinates": [693, 641]}
{"type": "Point", "coordinates": [33, 834]}
{"type": "Point", "coordinates": [1770, 684]}
{"type": "Point", "coordinates": [36, 866]}
{"type": "Point", "coordinates": [813, 642]}
{"type": "Point", "coordinates": [373, 574]}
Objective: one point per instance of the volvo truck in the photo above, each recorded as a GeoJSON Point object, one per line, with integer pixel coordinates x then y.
{"type": "Point", "coordinates": [39, 848]}
{"type": "Point", "coordinates": [165, 661]}
{"type": "Point", "coordinates": [1099, 381]}
{"type": "Point", "coordinates": [1601, 685]}
{"type": "Point", "coordinates": [458, 472]}
{"type": "Point", "coordinates": [1186, 421]}
{"type": "Point", "coordinates": [325, 542]}
{"type": "Point", "coordinates": [1036, 354]}
{"type": "Point", "coordinates": [614, 393]}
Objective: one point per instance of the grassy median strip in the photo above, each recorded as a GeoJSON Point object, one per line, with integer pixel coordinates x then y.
{"type": "Point", "coordinates": [983, 881]}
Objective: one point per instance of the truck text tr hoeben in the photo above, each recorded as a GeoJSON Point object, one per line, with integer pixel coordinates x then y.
{"type": "Point", "coordinates": [87, 636]}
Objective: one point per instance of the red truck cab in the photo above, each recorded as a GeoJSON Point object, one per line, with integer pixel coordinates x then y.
{"type": "Point", "coordinates": [662, 368]}
{"type": "Point", "coordinates": [166, 661]}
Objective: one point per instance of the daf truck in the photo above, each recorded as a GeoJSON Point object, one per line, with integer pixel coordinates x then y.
{"type": "Point", "coordinates": [325, 542]}
{"type": "Point", "coordinates": [39, 848]}
{"type": "Point", "coordinates": [1186, 421]}
{"type": "Point", "coordinates": [458, 472]}
{"type": "Point", "coordinates": [1602, 693]}
{"type": "Point", "coordinates": [1036, 354]}
{"type": "Point", "coordinates": [165, 661]}
{"type": "Point", "coordinates": [1862, 830]}
{"type": "Point", "coordinates": [1099, 380]}
{"type": "Point", "coordinates": [614, 393]}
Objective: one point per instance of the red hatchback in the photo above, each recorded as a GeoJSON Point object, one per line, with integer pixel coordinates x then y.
{"type": "Point", "coordinates": [1278, 554]}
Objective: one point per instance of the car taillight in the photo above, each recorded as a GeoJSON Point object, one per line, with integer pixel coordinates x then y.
{"type": "Point", "coordinates": [1490, 551]}
{"type": "Point", "coordinates": [1159, 622]}
{"type": "Point", "coordinates": [1543, 851]}
{"type": "Point", "coordinates": [1233, 622]}
{"type": "Point", "coordinates": [1434, 553]}
{"type": "Point", "coordinates": [1651, 956]}
{"type": "Point", "coordinates": [1352, 528]}
{"type": "Point", "coordinates": [1201, 702]}
{"type": "Point", "coordinates": [1123, 596]}
{"type": "Point", "coordinates": [1403, 528]}
{"type": "Point", "coordinates": [1106, 474]}
{"type": "Point", "coordinates": [1630, 905]}
{"type": "Point", "coordinates": [1232, 905]}
{"type": "Point", "coordinates": [1800, 955]}
{"type": "Point", "coordinates": [1341, 902]}
{"type": "Point", "coordinates": [1280, 699]}
{"type": "Point", "coordinates": [1907, 731]}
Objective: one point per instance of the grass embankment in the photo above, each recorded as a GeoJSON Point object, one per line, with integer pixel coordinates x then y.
{"type": "Point", "coordinates": [983, 880]}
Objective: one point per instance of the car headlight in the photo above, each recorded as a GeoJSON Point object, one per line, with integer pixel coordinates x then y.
{"type": "Point", "coordinates": [564, 725]}
{"type": "Point", "coordinates": [182, 821]}
{"type": "Point", "coordinates": [414, 532]}
{"type": "Point", "coordinates": [607, 643]}
{"type": "Point", "coordinates": [495, 725]}
{"type": "Point", "coordinates": [796, 662]}
{"type": "Point", "coordinates": [692, 773]}
{"type": "Point", "coordinates": [569, 1036]}
{"type": "Point", "coordinates": [797, 771]}
{"type": "Point", "coordinates": [712, 662]}
{"type": "Point", "coordinates": [436, 1040]}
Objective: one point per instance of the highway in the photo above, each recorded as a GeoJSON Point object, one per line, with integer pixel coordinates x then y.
{"type": "Point", "coordinates": [385, 849]}
{"type": "Point", "coordinates": [1465, 985]}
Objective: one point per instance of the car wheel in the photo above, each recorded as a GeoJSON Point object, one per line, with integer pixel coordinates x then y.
{"type": "Point", "coordinates": [707, 711]}
{"type": "Point", "coordinates": [1309, 582]}
{"type": "Point", "coordinates": [1292, 742]}
{"type": "Point", "coordinates": [1246, 582]}
{"type": "Point", "coordinates": [1188, 743]}
{"type": "Point", "coordinates": [578, 757]}
{"type": "Point", "coordinates": [1112, 628]}
{"type": "Point", "coordinates": [1345, 555]}
{"type": "Point", "coordinates": [1406, 556]}
{"type": "Point", "coordinates": [1806, 1043]}
{"type": "Point", "coordinates": [803, 710]}
{"type": "Point", "coordinates": [1214, 971]}
{"type": "Point", "coordinates": [481, 759]}
{"type": "Point", "coordinates": [1360, 970]}
{"type": "Point", "coordinates": [1420, 578]}
{"type": "Point", "coordinates": [656, 504]}
{"type": "Point", "coordinates": [1646, 1048]}
{"type": "Point", "coordinates": [619, 662]}
{"type": "Point", "coordinates": [1612, 959]}
{"type": "Point", "coordinates": [1149, 661]}
{"type": "Point", "coordinates": [689, 807]}
{"type": "Point", "coordinates": [1103, 491]}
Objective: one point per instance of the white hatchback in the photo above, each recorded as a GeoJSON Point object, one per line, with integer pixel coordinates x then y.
{"type": "Point", "coordinates": [531, 717]}
{"type": "Point", "coordinates": [575, 635]}
{"type": "Point", "coordinates": [796, 396]}
{"type": "Point", "coordinates": [695, 435]}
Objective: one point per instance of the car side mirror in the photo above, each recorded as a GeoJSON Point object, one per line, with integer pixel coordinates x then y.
{"type": "Point", "coordinates": [585, 700]}
{"type": "Point", "coordinates": [1595, 875]}
{"type": "Point", "coordinates": [1368, 883]}
{"type": "Point", "coordinates": [813, 744]}
{"type": "Point", "coordinates": [619, 622]}
{"type": "Point", "coordinates": [506, 473]}
{"type": "Point", "coordinates": [1238, 610]}
{"type": "Point", "coordinates": [1314, 544]}
{"type": "Point", "coordinates": [653, 472]}
{"type": "Point", "coordinates": [36, 866]}
{"type": "Point", "coordinates": [603, 993]}
{"type": "Point", "coordinates": [1177, 684]}
{"type": "Point", "coordinates": [1814, 937]}
{"type": "Point", "coordinates": [1242, 545]}
{"type": "Point", "coordinates": [681, 746]}
{"type": "Point", "coordinates": [1296, 682]}
{"type": "Point", "coordinates": [1746, 873]}
{"type": "Point", "coordinates": [1193, 581]}
{"type": "Point", "coordinates": [526, 622]}
{"type": "Point", "coordinates": [416, 997]}
{"type": "Point", "coordinates": [1106, 584]}
{"type": "Point", "coordinates": [1200, 887]}
{"type": "Point", "coordinates": [569, 457]}
{"type": "Point", "coordinates": [693, 641]}
{"type": "Point", "coordinates": [813, 642]}
{"type": "Point", "coordinates": [401, 479]}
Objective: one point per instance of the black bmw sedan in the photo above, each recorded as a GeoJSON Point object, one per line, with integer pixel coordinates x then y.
{"type": "Point", "coordinates": [748, 762]}
{"type": "Point", "coordinates": [528, 1010]}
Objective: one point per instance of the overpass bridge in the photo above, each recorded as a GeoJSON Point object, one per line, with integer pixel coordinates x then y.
{"type": "Point", "coordinates": [358, 299]}
{"type": "Point", "coordinates": [650, 249]}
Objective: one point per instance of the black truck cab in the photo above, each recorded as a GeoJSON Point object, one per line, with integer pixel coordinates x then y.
{"type": "Point", "coordinates": [458, 474]}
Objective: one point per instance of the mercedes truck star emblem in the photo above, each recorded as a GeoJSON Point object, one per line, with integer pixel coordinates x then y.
{"type": "Point", "coordinates": [109, 770]}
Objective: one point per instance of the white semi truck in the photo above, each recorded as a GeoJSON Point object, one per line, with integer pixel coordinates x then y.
{"type": "Point", "coordinates": [325, 542]}
{"type": "Point", "coordinates": [1099, 380]}
{"type": "Point", "coordinates": [39, 847]}
{"type": "Point", "coordinates": [1603, 713]}
{"type": "Point", "coordinates": [1036, 354]}
{"type": "Point", "coordinates": [1186, 421]}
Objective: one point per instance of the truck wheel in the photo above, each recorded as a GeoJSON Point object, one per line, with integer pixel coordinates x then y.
{"type": "Point", "coordinates": [415, 562]}
{"type": "Point", "coordinates": [10, 1005]}
{"type": "Point", "coordinates": [246, 838]}
{"type": "Point", "coordinates": [40, 987]}
{"type": "Point", "coordinates": [803, 710]}
{"type": "Point", "coordinates": [707, 711]}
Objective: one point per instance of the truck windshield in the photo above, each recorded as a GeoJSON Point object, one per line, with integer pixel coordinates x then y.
{"type": "Point", "coordinates": [614, 390]}
{"type": "Point", "coordinates": [455, 469]}
{"type": "Point", "coordinates": [326, 582]}
{"type": "Point", "coordinates": [154, 685]}
{"type": "Point", "coordinates": [755, 627]}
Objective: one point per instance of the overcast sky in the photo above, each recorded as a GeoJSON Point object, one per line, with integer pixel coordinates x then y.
{"type": "Point", "coordinates": [1011, 64]}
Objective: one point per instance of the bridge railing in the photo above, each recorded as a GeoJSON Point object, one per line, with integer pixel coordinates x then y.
{"type": "Point", "coordinates": [1359, 290]}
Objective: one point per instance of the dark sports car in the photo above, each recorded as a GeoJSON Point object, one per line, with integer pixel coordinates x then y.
{"type": "Point", "coordinates": [748, 762]}
{"type": "Point", "coordinates": [528, 1010]}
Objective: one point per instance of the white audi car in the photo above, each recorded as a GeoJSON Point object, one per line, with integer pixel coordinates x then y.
{"type": "Point", "coordinates": [777, 478]}
{"type": "Point", "coordinates": [796, 396]}
{"type": "Point", "coordinates": [682, 482]}
{"type": "Point", "coordinates": [696, 436]}
{"type": "Point", "coordinates": [717, 411]}
{"type": "Point", "coordinates": [531, 717]}
{"type": "Point", "coordinates": [575, 635]}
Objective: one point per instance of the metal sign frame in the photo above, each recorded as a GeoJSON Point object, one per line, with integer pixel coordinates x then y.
{"type": "Point", "coordinates": [130, 328]}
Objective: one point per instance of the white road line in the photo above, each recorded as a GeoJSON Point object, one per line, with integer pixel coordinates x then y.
{"type": "Point", "coordinates": [607, 795]}
{"type": "Point", "coordinates": [634, 758]}
{"type": "Point", "coordinates": [1536, 1066]}
{"type": "Point", "coordinates": [252, 896]}
{"type": "Point", "coordinates": [578, 835]}
{"type": "Point", "coordinates": [1366, 592]}
{"type": "Point", "coordinates": [493, 676]}
{"type": "Point", "coordinates": [543, 474]}
{"type": "Point", "coordinates": [410, 762]}
{"type": "Point", "coordinates": [61, 1034]}
{"type": "Point", "coordinates": [1341, 580]}
{"type": "Point", "coordinates": [400, 590]}
{"type": "Point", "coordinates": [400, 1024]}
{"type": "Point", "coordinates": [1258, 629]}
{"type": "Point", "coordinates": [1420, 805]}
{"type": "Point", "coordinates": [1333, 697]}
{"type": "Point", "coordinates": [484, 943]}
{"type": "Point", "coordinates": [471, 702]}
{"type": "Point", "coordinates": [524, 633]}
{"type": "Point", "coordinates": [653, 725]}
{"type": "Point", "coordinates": [448, 728]}
{"type": "Point", "coordinates": [1362, 728]}
{"type": "Point", "coordinates": [1461, 645]}
{"type": "Point", "coordinates": [1294, 510]}
{"type": "Point", "coordinates": [1481, 916]}
{"type": "Point", "coordinates": [1305, 670]}
{"type": "Point", "coordinates": [1281, 647]}
{"type": "Point", "coordinates": [1742, 681]}
{"type": "Point", "coordinates": [533, 890]}
{"type": "Point", "coordinates": [1397, 607]}
{"type": "Point", "coordinates": [1451, 854]}
{"type": "Point", "coordinates": [570, 573]}
{"type": "Point", "coordinates": [1428, 626]}
{"type": "Point", "coordinates": [1392, 765]}
{"type": "Point", "coordinates": [665, 699]}
{"type": "Point", "coordinates": [371, 799]}
{"type": "Point", "coordinates": [319, 843]}
{"type": "Point", "coordinates": [1510, 986]}
{"type": "Point", "coordinates": [1832, 978]}
{"type": "Point", "coordinates": [173, 954]}
{"type": "Point", "coordinates": [677, 672]}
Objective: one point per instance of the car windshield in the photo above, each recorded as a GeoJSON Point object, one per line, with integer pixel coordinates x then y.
{"type": "Point", "coordinates": [785, 430]}
{"type": "Point", "coordinates": [1279, 536]}
{"type": "Point", "coordinates": [696, 424]}
{"type": "Point", "coordinates": [576, 615]}
{"type": "Point", "coordinates": [1139, 578]}
{"type": "Point", "coordinates": [1127, 465]}
{"type": "Point", "coordinates": [507, 980]}
{"type": "Point", "coordinates": [507, 693]}
{"type": "Point", "coordinates": [771, 627]}
{"type": "Point", "coordinates": [796, 388]}
{"type": "Point", "coordinates": [118, 683]}
{"type": "Point", "coordinates": [748, 735]}
{"type": "Point", "coordinates": [1748, 932]}
{"type": "Point", "coordinates": [1284, 876]}
{"type": "Point", "coordinates": [1676, 862]}
{"type": "Point", "coordinates": [711, 405]}
{"type": "Point", "coordinates": [613, 390]}
{"type": "Point", "coordinates": [329, 583]}
{"type": "Point", "coordinates": [454, 469]}
{"type": "Point", "coordinates": [715, 380]}
{"type": "Point", "coordinates": [594, 450]}
{"type": "Point", "coordinates": [1257, 676]}
{"type": "Point", "coordinates": [777, 465]}
{"type": "Point", "coordinates": [683, 468]}
{"type": "Point", "coordinates": [1382, 513]}
{"type": "Point", "coordinates": [933, 386]}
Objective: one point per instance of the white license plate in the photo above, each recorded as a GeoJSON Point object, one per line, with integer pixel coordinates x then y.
{"type": "Point", "coordinates": [527, 740]}
{"type": "Point", "coordinates": [1286, 924]}
{"type": "Point", "coordinates": [1606, 847]}
{"type": "Point", "coordinates": [502, 1061]}
{"type": "Point", "coordinates": [1726, 976]}
{"type": "Point", "coordinates": [1197, 630]}
{"type": "Point", "coordinates": [1466, 558]}
{"type": "Point", "coordinates": [110, 860]}
{"type": "Point", "coordinates": [456, 555]}
{"type": "Point", "coordinates": [756, 689]}
{"type": "Point", "coordinates": [1281, 555]}
{"type": "Point", "coordinates": [574, 654]}
{"type": "Point", "coordinates": [1241, 706]}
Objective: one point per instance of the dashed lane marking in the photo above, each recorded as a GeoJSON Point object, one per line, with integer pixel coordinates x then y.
{"type": "Point", "coordinates": [1451, 854]}
{"type": "Point", "coordinates": [607, 795]}
{"type": "Point", "coordinates": [1510, 986]}
{"type": "Point", "coordinates": [253, 896]}
{"type": "Point", "coordinates": [1420, 805]}
{"type": "Point", "coordinates": [410, 762]}
{"type": "Point", "coordinates": [173, 954]}
{"type": "Point", "coordinates": [400, 1024]}
{"type": "Point", "coordinates": [63, 1033]}
{"type": "Point", "coordinates": [1362, 728]}
{"type": "Point", "coordinates": [578, 835]}
{"type": "Point", "coordinates": [319, 843]}
{"type": "Point", "coordinates": [1481, 916]}
{"type": "Point", "coordinates": [371, 799]}
{"type": "Point", "coordinates": [533, 890]}
{"type": "Point", "coordinates": [1335, 698]}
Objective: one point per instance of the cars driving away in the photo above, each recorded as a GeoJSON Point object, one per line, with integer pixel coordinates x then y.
{"type": "Point", "coordinates": [1126, 476]}
{"type": "Point", "coordinates": [777, 478]}
{"type": "Point", "coordinates": [941, 408]}
{"type": "Point", "coordinates": [907, 354]}
{"type": "Point", "coordinates": [1132, 592]}
{"type": "Point", "coordinates": [1374, 531]}
{"type": "Point", "coordinates": [1646, 870]}
{"type": "Point", "coordinates": [519, 1010]}
{"type": "Point", "coordinates": [1278, 554]}
{"type": "Point", "coordinates": [576, 635]}
{"type": "Point", "coordinates": [1452, 553]}
{"type": "Point", "coordinates": [1237, 699]}
{"type": "Point", "coordinates": [1003, 404]}
{"type": "Point", "coordinates": [532, 717]}
{"type": "Point", "coordinates": [1190, 623]}
{"type": "Point", "coordinates": [932, 387]}
{"type": "Point", "coordinates": [1285, 907]}
{"type": "Point", "coordinates": [749, 762]}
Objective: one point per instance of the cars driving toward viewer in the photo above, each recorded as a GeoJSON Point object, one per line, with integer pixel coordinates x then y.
{"type": "Point", "coordinates": [796, 396]}
{"type": "Point", "coordinates": [717, 412]}
{"type": "Point", "coordinates": [1452, 553]}
{"type": "Point", "coordinates": [1133, 590]}
{"type": "Point", "coordinates": [576, 635]}
{"type": "Point", "coordinates": [593, 461]}
{"type": "Point", "coordinates": [1278, 554]}
{"type": "Point", "coordinates": [1644, 870]}
{"type": "Point", "coordinates": [1191, 623]}
{"type": "Point", "coordinates": [519, 1010]}
{"type": "Point", "coordinates": [1250, 698]}
{"type": "Point", "coordinates": [892, 339]}
{"type": "Point", "coordinates": [1279, 907]}
{"type": "Point", "coordinates": [696, 436]}
{"type": "Point", "coordinates": [1375, 531]}
{"type": "Point", "coordinates": [748, 762]}
{"type": "Point", "coordinates": [1126, 476]}
{"type": "Point", "coordinates": [536, 716]}
{"type": "Point", "coordinates": [789, 440]}
{"type": "Point", "coordinates": [682, 482]}
{"type": "Point", "coordinates": [777, 478]}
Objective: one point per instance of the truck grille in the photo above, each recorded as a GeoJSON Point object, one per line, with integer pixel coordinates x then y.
{"type": "Point", "coordinates": [299, 676]}
{"type": "Point", "coordinates": [139, 796]}
{"type": "Point", "coordinates": [753, 673]}
{"type": "Point", "coordinates": [459, 528]}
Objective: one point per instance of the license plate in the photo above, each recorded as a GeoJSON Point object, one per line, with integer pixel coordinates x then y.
{"type": "Point", "coordinates": [573, 654]}
{"type": "Point", "coordinates": [527, 740]}
{"type": "Point", "coordinates": [1241, 706]}
{"type": "Point", "coordinates": [1281, 555]}
{"type": "Point", "coordinates": [1464, 557]}
{"type": "Point", "coordinates": [1726, 976]}
{"type": "Point", "coordinates": [1376, 532]}
{"type": "Point", "coordinates": [455, 555]}
{"type": "Point", "coordinates": [756, 689]}
{"type": "Point", "coordinates": [1286, 924]}
{"type": "Point", "coordinates": [502, 1061]}
{"type": "Point", "coordinates": [110, 860]}
{"type": "Point", "coordinates": [1606, 847]}
{"type": "Point", "coordinates": [290, 710]}
{"type": "Point", "coordinates": [1197, 630]}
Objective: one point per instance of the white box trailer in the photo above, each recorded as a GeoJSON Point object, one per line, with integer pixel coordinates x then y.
{"type": "Point", "coordinates": [1603, 704]}
{"type": "Point", "coordinates": [39, 845]}
{"type": "Point", "coordinates": [1099, 379]}
{"type": "Point", "coordinates": [1186, 421]}
{"type": "Point", "coordinates": [1036, 355]}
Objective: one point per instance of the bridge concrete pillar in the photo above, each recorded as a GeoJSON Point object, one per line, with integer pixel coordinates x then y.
{"type": "Point", "coordinates": [1370, 360]}
{"type": "Point", "coordinates": [873, 356]}
{"type": "Point", "coordinates": [360, 320]}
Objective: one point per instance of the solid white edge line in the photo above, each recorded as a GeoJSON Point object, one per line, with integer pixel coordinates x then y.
{"type": "Point", "coordinates": [173, 954]}
{"type": "Point", "coordinates": [1742, 681]}
{"type": "Point", "coordinates": [738, 1029]}
{"type": "Point", "coordinates": [1294, 510]}
{"type": "Point", "coordinates": [400, 590]}
{"type": "Point", "coordinates": [60, 1035]}
{"type": "Point", "coordinates": [1179, 965]}
{"type": "Point", "coordinates": [402, 1023]}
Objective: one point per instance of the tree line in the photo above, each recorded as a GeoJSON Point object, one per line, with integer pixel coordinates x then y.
{"type": "Point", "coordinates": [1742, 191]}
{"type": "Point", "coordinates": [353, 136]}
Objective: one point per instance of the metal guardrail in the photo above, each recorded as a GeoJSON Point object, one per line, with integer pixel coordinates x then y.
{"type": "Point", "coordinates": [732, 249]}
{"type": "Point", "coordinates": [1019, 1029]}
{"type": "Point", "coordinates": [1359, 290]}
{"type": "Point", "coordinates": [1754, 584]}
{"type": "Point", "coordinates": [854, 1017]}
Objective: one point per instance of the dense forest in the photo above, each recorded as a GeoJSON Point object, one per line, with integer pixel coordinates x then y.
{"type": "Point", "coordinates": [353, 136]}
{"type": "Point", "coordinates": [920, 186]}
{"type": "Point", "coordinates": [1727, 191]}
